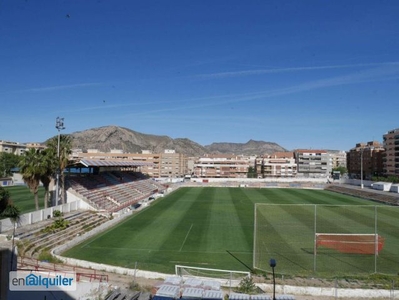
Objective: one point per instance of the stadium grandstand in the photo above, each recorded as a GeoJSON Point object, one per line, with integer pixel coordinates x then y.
{"type": "Point", "coordinates": [111, 185]}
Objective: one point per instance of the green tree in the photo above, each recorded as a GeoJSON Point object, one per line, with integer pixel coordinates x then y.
{"type": "Point", "coordinates": [4, 198]}
{"type": "Point", "coordinates": [7, 162]}
{"type": "Point", "coordinates": [391, 178]}
{"type": "Point", "coordinates": [63, 160]}
{"type": "Point", "coordinates": [341, 169]}
{"type": "Point", "coordinates": [32, 169]}
{"type": "Point", "coordinates": [246, 286]}
{"type": "Point", "coordinates": [12, 212]}
{"type": "Point", "coordinates": [251, 172]}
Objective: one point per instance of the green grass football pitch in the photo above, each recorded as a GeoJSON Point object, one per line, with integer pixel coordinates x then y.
{"type": "Point", "coordinates": [24, 199]}
{"type": "Point", "coordinates": [214, 228]}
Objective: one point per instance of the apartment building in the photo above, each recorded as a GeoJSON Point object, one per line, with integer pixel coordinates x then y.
{"type": "Point", "coordinates": [173, 165]}
{"type": "Point", "coordinates": [222, 166]}
{"type": "Point", "coordinates": [313, 163]}
{"type": "Point", "coordinates": [18, 148]}
{"type": "Point", "coordinates": [338, 158]}
{"type": "Point", "coordinates": [367, 158]}
{"type": "Point", "coordinates": [391, 157]}
{"type": "Point", "coordinates": [279, 164]}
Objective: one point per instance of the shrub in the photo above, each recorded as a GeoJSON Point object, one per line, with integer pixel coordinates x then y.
{"type": "Point", "coordinates": [246, 286]}
{"type": "Point", "coordinates": [45, 255]}
{"type": "Point", "coordinates": [57, 214]}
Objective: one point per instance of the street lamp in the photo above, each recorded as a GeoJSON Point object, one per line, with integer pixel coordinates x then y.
{"type": "Point", "coordinates": [272, 264]}
{"type": "Point", "coordinates": [59, 124]}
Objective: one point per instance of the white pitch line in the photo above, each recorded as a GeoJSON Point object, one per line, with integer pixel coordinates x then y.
{"type": "Point", "coordinates": [186, 237]}
{"type": "Point", "coordinates": [159, 250]}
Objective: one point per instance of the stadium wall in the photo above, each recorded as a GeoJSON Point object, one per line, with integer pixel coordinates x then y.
{"type": "Point", "coordinates": [366, 183]}
{"type": "Point", "coordinates": [82, 205]}
{"type": "Point", "coordinates": [41, 215]}
{"type": "Point", "coordinates": [262, 180]}
{"type": "Point", "coordinates": [333, 292]}
{"type": "Point", "coordinates": [299, 183]}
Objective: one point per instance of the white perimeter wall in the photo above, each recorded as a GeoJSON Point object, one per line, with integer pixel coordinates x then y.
{"type": "Point", "coordinates": [262, 180]}
{"type": "Point", "coordinates": [74, 203]}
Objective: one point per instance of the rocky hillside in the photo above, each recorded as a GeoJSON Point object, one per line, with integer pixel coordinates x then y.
{"type": "Point", "coordinates": [249, 148]}
{"type": "Point", "coordinates": [108, 138]}
{"type": "Point", "coordinates": [113, 137]}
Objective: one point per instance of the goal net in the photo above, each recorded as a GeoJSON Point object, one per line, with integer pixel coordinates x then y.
{"type": "Point", "coordinates": [350, 243]}
{"type": "Point", "coordinates": [323, 238]}
{"type": "Point", "coordinates": [224, 277]}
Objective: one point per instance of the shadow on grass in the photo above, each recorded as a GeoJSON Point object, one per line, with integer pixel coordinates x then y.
{"type": "Point", "coordinates": [240, 261]}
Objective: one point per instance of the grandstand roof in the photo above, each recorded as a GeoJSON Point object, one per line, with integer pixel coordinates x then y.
{"type": "Point", "coordinates": [112, 163]}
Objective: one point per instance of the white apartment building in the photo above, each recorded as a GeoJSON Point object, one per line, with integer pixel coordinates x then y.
{"type": "Point", "coordinates": [279, 164]}
{"type": "Point", "coordinates": [313, 163]}
{"type": "Point", "coordinates": [222, 166]}
{"type": "Point", "coordinates": [18, 148]}
{"type": "Point", "coordinates": [338, 158]}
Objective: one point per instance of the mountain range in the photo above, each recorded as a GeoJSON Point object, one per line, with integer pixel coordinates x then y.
{"type": "Point", "coordinates": [108, 138]}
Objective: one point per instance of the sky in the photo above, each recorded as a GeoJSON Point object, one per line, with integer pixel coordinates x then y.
{"type": "Point", "coordinates": [302, 74]}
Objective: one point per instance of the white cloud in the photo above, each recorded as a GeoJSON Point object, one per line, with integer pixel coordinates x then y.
{"type": "Point", "coordinates": [221, 75]}
{"type": "Point", "coordinates": [382, 73]}
{"type": "Point", "coordinates": [62, 87]}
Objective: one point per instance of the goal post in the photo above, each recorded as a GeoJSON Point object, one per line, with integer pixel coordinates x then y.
{"type": "Point", "coordinates": [350, 243]}
{"type": "Point", "coordinates": [324, 238]}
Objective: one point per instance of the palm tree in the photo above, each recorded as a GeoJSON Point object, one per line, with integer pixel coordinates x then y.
{"type": "Point", "coordinates": [65, 149]}
{"type": "Point", "coordinates": [32, 169]}
{"type": "Point", "coordinates": [14, 214]}
{"type": "Point", "coordinates": [49, 163]}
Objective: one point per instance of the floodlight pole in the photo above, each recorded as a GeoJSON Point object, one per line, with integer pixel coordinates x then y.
{"type": "Point", "coordinates": [59, 124]}
{"type": "Point", "coordinates": [272, 264]}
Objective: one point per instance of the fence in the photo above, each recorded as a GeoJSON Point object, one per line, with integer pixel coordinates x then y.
{"type": "Point", "coordinates": [36, 265]}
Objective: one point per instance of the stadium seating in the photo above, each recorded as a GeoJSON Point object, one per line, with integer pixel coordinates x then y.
{"type": "Point", "coordinates": [365, 193]}
{"type": "Point", "coordinates": [35, 239]}
{"type": "Point", "coordinates": [113, 191]}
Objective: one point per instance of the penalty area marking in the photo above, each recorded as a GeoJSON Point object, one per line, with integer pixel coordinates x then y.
{"type": "Point", "coordinates": [182, 245]}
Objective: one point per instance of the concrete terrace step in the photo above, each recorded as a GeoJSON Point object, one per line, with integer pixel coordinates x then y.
{"type": "Point", "coordinates": [36, 234]}
{"type": "Point", "coordinates": [367, 193]}
{"type": "Point", "coordinates": [52, 239]}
